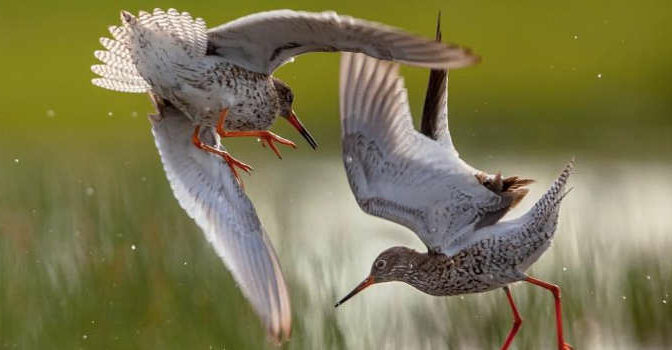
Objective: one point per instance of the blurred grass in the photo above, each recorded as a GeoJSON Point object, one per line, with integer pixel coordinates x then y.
{"type": "Point", "coordinates": [95, 253]}
{"type": "Point", "coordinates": [81, 184]}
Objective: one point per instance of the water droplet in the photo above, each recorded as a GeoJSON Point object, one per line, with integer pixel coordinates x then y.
{"type": "Point", "coordinates": [564, 268]}
{"type": "Point", "coordinates": [664, 301]}
{"type": "Point", "coordinates": [93, 322]}
{"type": "Point", "coordinates": [143, 179]}
{"type": "Point", "coordinates": [51, 113]}
{"type": "Point", "coordinates": [599, 75]}
{"type": "Point", "coordinates": [109, 114]}
{"type": "Point", "coordinates": [184, 263]}
{"type": "Point", "coordinates": [624, 297]}
{"type": "Point", "coordinates": [89, 191]}
{"type": "Point", "coordinates": [132, 246]}
{"type": "Point", "coordinates": [575, 37]}
{"type": "Point", "coordinates": [348, 159]}
{"type": "Point", "coordinates": [134, 114]}
{"type": "Point", "coordinates": [434, 229]}
{"type": "Point", "coordinates": [16, 160]}
{"type": "Point", "coordinates": [85, 336]}
{"type": "Point", "coordinates": [648, 277]}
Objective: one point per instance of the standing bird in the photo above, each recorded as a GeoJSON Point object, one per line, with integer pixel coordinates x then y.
{"type": "Point", "coordinates": [420, 182]}
{"type": "Point", "coordinates": [222, 77]}
{"type": "Point", "coordinates": [207, 190]}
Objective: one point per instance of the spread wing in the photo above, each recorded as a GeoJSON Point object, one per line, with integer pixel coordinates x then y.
{"type": "Point", "coordinates": [397, 173]}
{"type": "Point", "coordinates": [263, 41]}
{"type": "Point", "coordinates": [434, 122]}
{"type": "Point", "coordinates": [206, 189]}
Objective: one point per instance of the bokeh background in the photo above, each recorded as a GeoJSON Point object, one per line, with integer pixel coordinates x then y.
{"type": "Point", "coordinates": [96, 253]}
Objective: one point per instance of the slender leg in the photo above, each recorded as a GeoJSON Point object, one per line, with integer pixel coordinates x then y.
{"type": "Point", "coordinates": [265, 135]}
{"type": "Point", "coordinates": [232, 162]}
{"type": "Point", "coordinates": [517, 321]}
{"type": "Point", "coordinates": [558, 309]}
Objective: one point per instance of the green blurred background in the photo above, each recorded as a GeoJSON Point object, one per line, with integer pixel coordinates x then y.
{"type": "Point", "coordinates": [96, 253]}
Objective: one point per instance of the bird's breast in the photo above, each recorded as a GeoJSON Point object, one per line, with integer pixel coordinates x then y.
{"type": "Point", "coordinates": [250, 97]}
{"type": "Point", "coordinates": [481, 267]}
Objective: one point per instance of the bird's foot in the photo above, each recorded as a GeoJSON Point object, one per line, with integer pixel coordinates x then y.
{"type": "Point", "coordinates": [233, 163]}
{"type": "Point", "coordinates": [267, 138]}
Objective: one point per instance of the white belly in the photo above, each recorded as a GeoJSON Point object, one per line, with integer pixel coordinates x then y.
{"type": "Point", "coordinates": [214, 85]}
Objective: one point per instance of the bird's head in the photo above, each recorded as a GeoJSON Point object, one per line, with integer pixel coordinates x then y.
{"type": "Point", "coordinates": [393, 264]}
{"type": "Point", "coordinates": [286, 100]}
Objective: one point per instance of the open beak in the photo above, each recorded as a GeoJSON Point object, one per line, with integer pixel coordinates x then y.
{"type": "Point", "coordinates": [367, 282]}
{"type": "Point", "coordinates": [299, 127]}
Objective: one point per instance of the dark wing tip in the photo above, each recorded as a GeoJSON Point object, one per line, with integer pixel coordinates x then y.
{"type": "Point", "coordinates": [438, 26]}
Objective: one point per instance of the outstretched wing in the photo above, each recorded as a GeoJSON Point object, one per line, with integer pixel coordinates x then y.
{"type": "Point", "coordinates": [397, 173]}
{"type": "Point", "coordinates": [263, 41]}
{"type": "Point", "coordinates": [434, 123]}
{"type": "Point", "coordinates": [206, 189]}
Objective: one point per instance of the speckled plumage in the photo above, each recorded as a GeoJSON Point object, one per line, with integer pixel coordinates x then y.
{"type": "Point", "coordinates": [252, 97]}
{"type": "Point", "coordinates": [492, 258]}
{"type": "Point", "coordinates": [170, 56]}
{"type": "Point", "coordinates": [229, 67]}
{"type": "Point", "coordinates": [419, 181]}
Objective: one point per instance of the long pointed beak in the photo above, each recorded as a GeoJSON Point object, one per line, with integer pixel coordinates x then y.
{"type": "Point", "coordinates": [367, 282]}
{"type": "Point", "coordinates": [302, 130]}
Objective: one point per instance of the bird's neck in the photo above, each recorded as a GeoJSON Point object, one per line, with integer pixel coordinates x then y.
{"type": "Point", "coordinates": [426, 271]}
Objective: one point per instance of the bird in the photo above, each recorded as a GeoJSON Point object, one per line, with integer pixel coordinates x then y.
{"type": "Point", "coordinates": [207, 190]}
{"type": "Point", "coordinates": [419, 181]}
{"type": "Point", "coordinates": [223, 77]}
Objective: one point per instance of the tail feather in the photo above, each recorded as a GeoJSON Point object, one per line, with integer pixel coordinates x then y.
{"type": "Point", "coordinates": [548, 205]}
{"type": "Point", "coordinates": [116, 85]}
{"type": "Point", "coordinates": [119, 34]}
{"type": "Point", "coordinates": [120, 71]}
{"type": "Point", "coordinates": [116, 48]}
{"type": "Point", "coordinates": [114, 61]}
{"type": "Point", "coordinates": [120, 74]}
{"type": "Point", "coordinates": [511, 188]}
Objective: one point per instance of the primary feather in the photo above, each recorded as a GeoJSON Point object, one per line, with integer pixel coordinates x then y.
{"type": "Point", "coordinates": [206, 189]}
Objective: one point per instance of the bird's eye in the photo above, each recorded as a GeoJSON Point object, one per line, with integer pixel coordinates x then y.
{"type": "Point", "coordinates": [380, 264]}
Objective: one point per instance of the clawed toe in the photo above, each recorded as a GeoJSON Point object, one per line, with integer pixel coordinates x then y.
{"type": "Point", "coordinates": [268, 138]}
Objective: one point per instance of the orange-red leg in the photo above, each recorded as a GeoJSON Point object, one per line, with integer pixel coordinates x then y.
{"type": "Point", "coordinates": [558, 309]}
{"type": "Point", "coordinates": [517, 321]}
{"type": "Point", "coordinates": [232, 162]}
{"type": "Point", "coordinates": [266, 136]}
